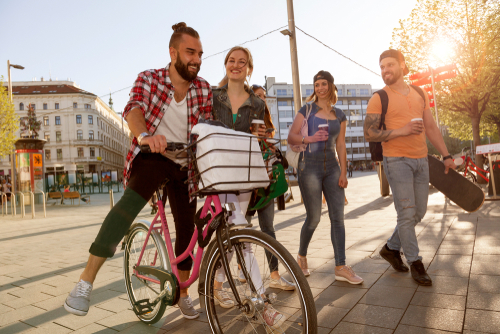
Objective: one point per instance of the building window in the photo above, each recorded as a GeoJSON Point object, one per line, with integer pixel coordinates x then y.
{"type": "Point", "coordinates": [339, 102]}
{"type": "Point", "coordinates": [47, 137]}
{"type": "Point", "coordinates": [59, 154]}
{"type": "Point", "coordinates": [351, 92]}
{"type": "Point", "coordinates": [79, 134]}
{"type": "Point", "coordinates": [363, 92]}
{"type": "Point", "coordinates": [282, 103]}
{"type": "Point", "coordinates": [56, 106]}
{"type": "Point", "coordinates": [87, 106]}
{"type": "Point", "coordinates": [364, 102]}
{"type": "Point", "coordinates": [339, 92]}
{"type": "Point", "coordinates": [92, 152]}
{"type": "Point", "coordinates": [352, 102]}
{"type": "Point", "coordinates": [21, 106]}
{"type": "Point", "coordinates": [91, 134]}
{"type": "Point", "coordinates": [75, 105]}
{"type": "Point", "coordinates": [58, 136]}
{"type": "Point", "coordinates": [45, 106]}
{"type": "Point", "coordinates": [80, 152]}
{"type": "Point", "coordinates": [281, 92]}
{"type": "Point", "coordinates": [78, 119]}
{"type": "Point", "coordinates": [45, 120]}
{"type": "Point", "coordinates": [91, 119]}
{"type": "Point", "coordinates": [47, 154]}
{"type": "Point", "coordinates": [33, 106]}
{"type": "Point", "coordinates": [58, 120]}
{"type": "Point", "coordinates": [309, 92]}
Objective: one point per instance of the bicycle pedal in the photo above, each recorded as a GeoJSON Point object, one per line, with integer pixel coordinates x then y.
{"type": "Point", "coordinates": [143, 306]}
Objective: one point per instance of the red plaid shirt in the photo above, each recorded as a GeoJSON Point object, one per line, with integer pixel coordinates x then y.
{"type": "Point", "coordinates": [152, 93]}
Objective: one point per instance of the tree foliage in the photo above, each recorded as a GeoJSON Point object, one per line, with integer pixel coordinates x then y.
{"type": "Point", "coordinates": [472, 29]}
{"type": "Point", "coordinates": [8, 121]}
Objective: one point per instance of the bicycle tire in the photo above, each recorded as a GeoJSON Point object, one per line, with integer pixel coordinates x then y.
{"type": "Point", "coordinates": [294, 322]}
{"type": "Point", "coordinates": [138, 289]}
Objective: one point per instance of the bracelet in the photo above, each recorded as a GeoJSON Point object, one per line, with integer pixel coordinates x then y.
{"type": "Point", "coordinates": [447, 157]}
{"type": "Point", "coordinates": [303, 138]}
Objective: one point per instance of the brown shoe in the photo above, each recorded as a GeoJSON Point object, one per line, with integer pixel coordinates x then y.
{"type": "Point", "coordinates": [303, 265]}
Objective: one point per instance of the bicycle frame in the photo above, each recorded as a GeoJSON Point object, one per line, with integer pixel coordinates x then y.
{"type": "Point", "coordinates": [160, 225]}
{"type": "Point", "coordinates": [470, 164]}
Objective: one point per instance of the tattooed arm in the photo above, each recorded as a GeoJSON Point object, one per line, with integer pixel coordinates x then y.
{"type": "Point", "coordinates": [374, 134]}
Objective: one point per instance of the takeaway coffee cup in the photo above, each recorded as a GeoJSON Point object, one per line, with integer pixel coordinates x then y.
{"type": "Point", "coordinates": [323, 127]}
{"type": "Point", "coordinates": [256, 123]}
{"type": "Point", "coordinates": [417, 120]}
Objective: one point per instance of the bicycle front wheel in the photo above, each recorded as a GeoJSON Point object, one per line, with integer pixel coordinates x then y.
{"type": "Point", "coordinates": [296, 306]}
{"type": "Point", "coordinates": [153, 255]}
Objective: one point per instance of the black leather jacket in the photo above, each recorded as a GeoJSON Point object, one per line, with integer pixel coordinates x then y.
{"type": "Point", "coordinates": [252, 108]}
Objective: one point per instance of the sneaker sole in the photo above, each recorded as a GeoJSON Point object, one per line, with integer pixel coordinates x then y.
{"type": "Point", "coordinates": [74, 310]}
{"type": "Point", "coordinates": [343, 279]}
{"type": "Point", "coordinates": [217, 302]}
{"type": "Point", "coordinates": [278, 286]}
{"type": "Point", "coordinates": [190, 317]}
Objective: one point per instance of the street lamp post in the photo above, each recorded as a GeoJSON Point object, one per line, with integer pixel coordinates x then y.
{"type": "Point", "coordinates": [19, 67]}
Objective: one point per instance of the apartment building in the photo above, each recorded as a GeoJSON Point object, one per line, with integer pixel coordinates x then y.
{"type": "Point", "coordinates": [352, 99]}
{"type": "Point", "coordinates": [83, 133]}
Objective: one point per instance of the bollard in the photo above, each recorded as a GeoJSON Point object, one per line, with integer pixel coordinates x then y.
{"type": "Point", "coordinates": [4, 201]}
{"type": "Point", "coordinates": [21, 203]}
{"type": "Point", "coordinates": [13, 205]}
{"type": "Point", "coordinates": [32, 197]}
{"type": "Point", "coordinates": [111, 199]}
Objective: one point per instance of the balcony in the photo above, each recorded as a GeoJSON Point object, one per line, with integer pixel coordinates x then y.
{"type": "Point", "coordinates": [86, 159]}
{"type": "Point", "coordinates": [87, 142]}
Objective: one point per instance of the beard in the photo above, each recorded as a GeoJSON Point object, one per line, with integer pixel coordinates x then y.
{"type": "Point", "coordinates": [183, 69]}
{"type": "Point", "coordinates": [395, 77]}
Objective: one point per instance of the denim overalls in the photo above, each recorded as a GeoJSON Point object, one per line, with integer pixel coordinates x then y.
{"type": "Point", "coordinates": [319, 174]}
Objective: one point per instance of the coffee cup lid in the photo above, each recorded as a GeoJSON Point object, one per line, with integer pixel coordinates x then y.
{"type": "Point", "coordinates": [416, 119]}
{"type": "Point", "coordinates": [322, 125]}
{"type": "Point", "coordinates": [258, 121]}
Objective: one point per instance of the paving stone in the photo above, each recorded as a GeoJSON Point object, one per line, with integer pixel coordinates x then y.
{"type": "Point", "coordinates": [395, 278]}
{"type": "Point", "coordinates": [449, 269]}
{"type": "Point", "coordinates": [373, 315]}
{"type": "Point", "coordinates": [429, 317]}
{"type": "Point", "coordinates": [320, 280]}
{"type": "Point", "coordinates": [5, 309]}
{"type": "Point", "coordinates": [483, 321]}
{"type": "Point", "coordinates": [50, 328]}
{"type": "Point", "coordinates": [28, 299]}
{"type": "Point", "coordinates": [368, 281]}
{"type": "Point", "coordinates": [336, 296]}
{"type": "Point", "coordinates": [19, 314]}
{"type": "Point", "coordinates": [483, 283]}
{"type": "Point", "coordinates": [120, 321]}
{"type": "Point", "coordinates": [76, 322]}
{"type": "Point", "coordinates": [115, 305]}
{"type": "Point", "coordinates": [405, 329]}
{"type": "Point", "coordinates": [142, 328]}
{"type": "Point", "coordinates": [16, 327]}
{"type": "Point", "coordinates": [370, 266]}
{"type": "Point", "coordinates": [485, 268]}
{"type": "Point", "coordinates": [446, 285]}
{"type": "Point", "coordinates": [438, 300]}
{"type": "Point", "coordinates": [389, 296]}
{"type": "Point", "coordinates": [483, 301]}
{"type": "Point", "coordinates": [94, 328]}
{"type": "Point", "coordinates": [349, 328]}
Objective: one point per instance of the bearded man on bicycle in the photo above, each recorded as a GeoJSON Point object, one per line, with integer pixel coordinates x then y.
{"type": "Point", "coordinates": [178, 91]}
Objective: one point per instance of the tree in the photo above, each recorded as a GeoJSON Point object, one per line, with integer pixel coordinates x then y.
{"type": "Point", "coordinates": [8, 122]}
{"type": "Point", "coordinates": [472, 28]}
{"type": "Point", "coordinates": [30, 124]}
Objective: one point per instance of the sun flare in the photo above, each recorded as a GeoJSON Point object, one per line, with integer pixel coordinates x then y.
{"type": "Point", "coordinates": [442, 53]}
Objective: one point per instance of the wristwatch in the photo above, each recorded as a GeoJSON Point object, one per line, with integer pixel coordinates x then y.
{"type": "Point", "coordinates": [141, 137]}
{"type": "Point", "coordinates": [447, 157]}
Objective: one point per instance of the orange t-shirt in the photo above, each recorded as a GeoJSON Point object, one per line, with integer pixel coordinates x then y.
{"type": "Point", "coordinates": [400, 111]}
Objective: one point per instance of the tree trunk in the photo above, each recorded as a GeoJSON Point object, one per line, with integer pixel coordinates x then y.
{"type": "Point", "coordinates": [498, 128]}
{"type": "Point", "coordinates": [477, 141]}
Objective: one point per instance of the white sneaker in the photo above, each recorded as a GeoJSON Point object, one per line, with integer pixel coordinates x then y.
{"type": "Point", "coordinates": [221, 297]}
{"type": "Point", "coordinates": [282, 284]}
{"type": "Point", "coordinates": [241, 276]}
{"type": "Point", "coordinates": [78, 299]}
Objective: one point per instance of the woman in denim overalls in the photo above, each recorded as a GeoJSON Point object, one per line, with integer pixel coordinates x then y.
{"type": "Point", "coordinates": [319, 172]}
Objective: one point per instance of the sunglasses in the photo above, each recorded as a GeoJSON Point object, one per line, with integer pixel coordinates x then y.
{"type": "Point", "coordinates": [258, 86]}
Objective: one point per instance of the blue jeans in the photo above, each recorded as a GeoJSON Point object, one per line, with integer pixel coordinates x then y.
{"type": "Point", "coordinates": [409, 181]}
{"type": "Point", "coordinates": [266, 223]}
{"type": "Point", "coordinates": [317, 177]}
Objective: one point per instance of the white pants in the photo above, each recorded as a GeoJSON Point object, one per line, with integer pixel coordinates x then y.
{"type": "Point", "coordinates": [238, 217]}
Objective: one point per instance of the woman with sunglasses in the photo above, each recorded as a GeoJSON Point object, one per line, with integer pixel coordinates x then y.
{"type": "Point", "coordinates": [236, 105]}
{"type": "Point", "coordinates": [319, 172]}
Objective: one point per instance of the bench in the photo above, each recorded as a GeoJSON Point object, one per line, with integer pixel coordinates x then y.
{"type": "Point", "coordinates": [55, 195]}
{"type": "Point", "coordinates": [72, 195]}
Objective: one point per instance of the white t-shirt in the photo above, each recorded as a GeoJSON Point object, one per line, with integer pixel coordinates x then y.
{"type": "Point", "coordinates": [6, 189]}
{"type": "Point", "coordinates": [174, 126]}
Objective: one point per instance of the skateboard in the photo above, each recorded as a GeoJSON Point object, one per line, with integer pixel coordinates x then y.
{"type": "Point", "coordinates": [457, 188]}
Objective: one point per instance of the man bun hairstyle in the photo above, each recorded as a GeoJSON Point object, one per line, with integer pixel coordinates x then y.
{"type": "Point", "coordinates": [180, 29]}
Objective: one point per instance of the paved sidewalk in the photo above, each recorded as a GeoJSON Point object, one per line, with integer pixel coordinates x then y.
{"type": "Point", "coordinates": [41, 259]}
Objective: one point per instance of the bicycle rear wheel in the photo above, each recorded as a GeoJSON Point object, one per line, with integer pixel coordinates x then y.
{"type": "Point", "coordinates": [154, 255]}
{"type": "Point", "coordinates": [296, 305]}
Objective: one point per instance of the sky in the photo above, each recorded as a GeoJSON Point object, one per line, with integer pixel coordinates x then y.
{"type": "Point", "coordinates": [103, 45]}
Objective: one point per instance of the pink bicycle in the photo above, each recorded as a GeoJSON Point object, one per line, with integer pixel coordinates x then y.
{"type": "Point", "coordinates": [151, 275]}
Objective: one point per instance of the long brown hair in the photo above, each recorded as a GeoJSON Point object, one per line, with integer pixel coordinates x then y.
{"type": "Point", "coordinates": [332, 94]}
{"type": "Point", "coordinates": [225, 80]}
{"type": "Point", "coordinates": [267, 114]}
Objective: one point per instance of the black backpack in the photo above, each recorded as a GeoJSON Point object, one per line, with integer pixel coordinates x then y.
{"type": "Point", "coordinates": [376, 147]}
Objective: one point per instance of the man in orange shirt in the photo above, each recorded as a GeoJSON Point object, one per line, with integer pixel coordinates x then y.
{"type": "Point", "coordinates": [408, 121]}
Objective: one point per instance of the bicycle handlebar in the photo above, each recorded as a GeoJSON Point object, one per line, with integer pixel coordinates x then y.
{"type": "Point", "coordinates": [170, 147]}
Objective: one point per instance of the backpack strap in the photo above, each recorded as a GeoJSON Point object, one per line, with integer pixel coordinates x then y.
{"type": "Point", "coordinates": [384, 98]}
{"type": "Point", "coordinates": [419, 91]}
